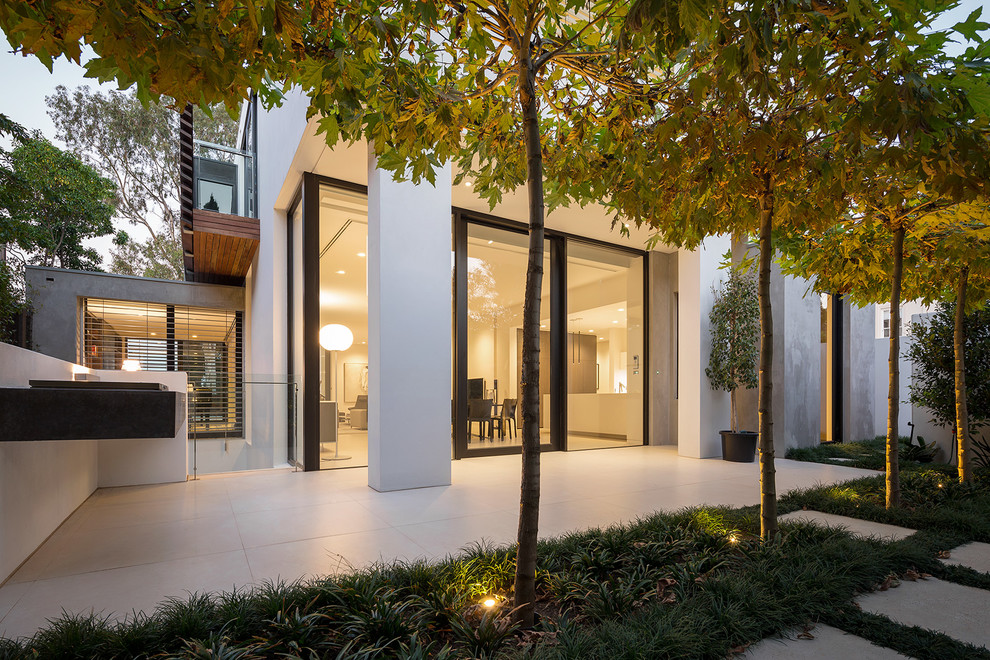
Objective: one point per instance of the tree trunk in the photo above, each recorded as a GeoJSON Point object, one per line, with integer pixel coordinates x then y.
{"type": "Point", "coordinates": [893, 366]}
{"type": "Point", "coordinates": [959, 348]}
{"type": "Point", "coordinates": [768, 485]}
{"type": "Point", "coordinates": [733, 424]}
{"type": "Point", "coordinates": [529, 500]}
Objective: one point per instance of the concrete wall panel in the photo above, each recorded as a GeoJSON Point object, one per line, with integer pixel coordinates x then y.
{"type": "Point", "coordinates": [701, 411]}
{"type": "Point", "coordinates": [409, 331]}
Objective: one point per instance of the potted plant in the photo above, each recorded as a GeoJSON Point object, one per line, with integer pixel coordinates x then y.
{"type": "Point", "coordinates": [735, 331]}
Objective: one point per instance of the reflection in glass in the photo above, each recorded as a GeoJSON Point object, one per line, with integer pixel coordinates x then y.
{"type": "Point", "coordinates": [496, 281]}
{"type": "Point", "coordinates": [605, 358]}
{"type": "Point", "coordinates": [344, 301]}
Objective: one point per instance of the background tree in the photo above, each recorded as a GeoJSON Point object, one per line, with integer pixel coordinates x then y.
{"type": "Point", "coordinates": [748, 144]}
{"type": "Point", "coordinates": [735, 328]}
{"type": "Point", "coordinates": [60, 203]}
{"type": "Point", "coordinates": [920, 153]}
{"type": "Point", "coordinates": [136, 145]}
{"type": "Point", "coordinates": [960, 259]}
{"type": "Point", "coordinates": [932, 355]}
{"type": "Point", "coordinates": [11, 187]}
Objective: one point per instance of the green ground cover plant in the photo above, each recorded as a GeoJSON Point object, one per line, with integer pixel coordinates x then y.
{"type": "Point", "coordinates": [865, 454]}
{"type": "Point", "coordinates": [698, 583]}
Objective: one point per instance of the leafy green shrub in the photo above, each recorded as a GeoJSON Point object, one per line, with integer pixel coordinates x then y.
{"type": "Point", "coordinates": [933, 381]}
{"type": "Point", "coordinates": [922, 452]}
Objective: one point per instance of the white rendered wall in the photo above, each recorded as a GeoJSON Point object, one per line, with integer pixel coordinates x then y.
{"type": "Point", "coordinates": [409, 330]}
{"type": "Point", "coordinates": [701, 411]}
{"type": "Point", "coordinates": [150, 461]}
{"type": "Point", "coordinates": [280, 131]}
{"type": "Point", "coordinates": [42, 483]}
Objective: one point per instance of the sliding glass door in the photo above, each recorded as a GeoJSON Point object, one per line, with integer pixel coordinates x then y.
{"type": "Point", "coordinates": [592, 341]}
{"type": "Point", "coordinates": [605, 348]}
{"type": "Point", "coordinates": [496, 277]}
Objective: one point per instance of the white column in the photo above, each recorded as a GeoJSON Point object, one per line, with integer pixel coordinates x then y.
{"type": "Point", "coordinates": [409, 327]}
{"type": "Point", "coordinates": [701, 411]}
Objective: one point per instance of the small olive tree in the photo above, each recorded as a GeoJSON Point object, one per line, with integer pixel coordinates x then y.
{"type": "Point", "coordinates": [734, 323]}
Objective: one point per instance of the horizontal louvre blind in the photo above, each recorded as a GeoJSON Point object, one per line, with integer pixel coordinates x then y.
{"type": "Point", "coordinates": [203, 342]}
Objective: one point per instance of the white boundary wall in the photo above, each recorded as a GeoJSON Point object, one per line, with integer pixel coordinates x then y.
{"type": "Point", "coordinates": [42, 483]}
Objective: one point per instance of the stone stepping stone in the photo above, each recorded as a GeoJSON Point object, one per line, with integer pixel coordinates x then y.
{"type": "Point", "coordinates": [956, 610]}
{"type": "Point", "coordinates": [973, 555]}
{"type": "Point", "coordinates": [855, 526]}
{"type": "Point", "coordinates": [826, 643]}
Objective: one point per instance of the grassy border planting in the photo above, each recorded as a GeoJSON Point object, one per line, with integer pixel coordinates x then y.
{"type": "Point", "coordinates": [698, 583]}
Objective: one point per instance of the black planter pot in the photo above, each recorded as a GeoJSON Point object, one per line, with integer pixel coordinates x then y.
{"type": "Point", "coordinates": [739, 447]}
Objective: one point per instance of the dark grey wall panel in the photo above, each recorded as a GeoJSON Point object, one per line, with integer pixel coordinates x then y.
{"type": "Point", "coordinates": [89, 414]}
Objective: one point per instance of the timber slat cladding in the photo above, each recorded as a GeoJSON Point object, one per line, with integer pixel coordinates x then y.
{"type": "Point", "coordinates": [186, 188]}
{"type": "Point", "coordinates": [221, 258]}
{"type": "Point", "coordinates": [222, 245]}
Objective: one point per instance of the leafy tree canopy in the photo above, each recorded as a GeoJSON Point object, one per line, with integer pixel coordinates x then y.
{"type": "Point", "coordinates": [58, 203]}
{"type": "Point", "coordinates": [195, 53]}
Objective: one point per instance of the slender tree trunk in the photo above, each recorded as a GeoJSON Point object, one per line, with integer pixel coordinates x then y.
{"type": "Point", "coordinates": [733, 424]}
{"type": "Point", "coordinates": [959, 348]}
{"type": "Point", "coordinates": [529, 501]}
{"type": "Point", "coordinates": [893, 365]}
{"type": "Point", "coordinates": [768, 480]}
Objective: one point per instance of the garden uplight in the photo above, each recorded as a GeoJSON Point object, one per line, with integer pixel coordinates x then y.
{"type": "Point", "coordinates": [489, 602]}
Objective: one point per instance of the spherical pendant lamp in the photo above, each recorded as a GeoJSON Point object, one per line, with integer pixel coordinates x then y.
{"type": "Point", "coordinates": [336, 337]}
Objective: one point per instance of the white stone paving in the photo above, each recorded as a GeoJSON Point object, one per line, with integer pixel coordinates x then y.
{"type": "Point", "coordinates": [130, 548]}
{"type": "Point", "coordinates": [972, 555]}
{"type": "Point", "coordinates": [857, 527]}
{"type": "Point", "coordinates": [820, 643]}
{"type": "Point", "coordinates": [958, 611]}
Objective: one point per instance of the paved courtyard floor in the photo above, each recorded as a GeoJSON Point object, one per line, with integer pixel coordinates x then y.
{"type": "Point", "coordinates": [129, 548]}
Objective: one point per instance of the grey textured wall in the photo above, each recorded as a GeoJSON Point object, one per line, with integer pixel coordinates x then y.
{"type": "Point", "coordinates": [797, 371]}
{"type": "Point", "coordinates": [858, 372]}
{"type": "Point", "coordinates": [54, 294]}
{"type": "Point", "coordinates": [663, 360]}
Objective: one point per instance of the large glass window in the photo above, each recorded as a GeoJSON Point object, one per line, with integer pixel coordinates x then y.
{"type": "Point", "coordinates": [496, 279]}
{"type": "Point", "coordinates": [203, 342]}
{"type": "Point", "coordinates": [605, 347]}
{"type": "Point", "coordinates": [343, 308]}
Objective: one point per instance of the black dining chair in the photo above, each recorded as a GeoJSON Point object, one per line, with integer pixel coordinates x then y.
{"type": "Point", "coordinates": [480, 411]}
{"type": "Point", "coordinates": [507, 418]}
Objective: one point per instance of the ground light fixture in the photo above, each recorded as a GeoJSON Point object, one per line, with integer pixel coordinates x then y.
{"type": "Point", "coordinates": [335, 337]}
{"type": "Point", "coordinates": [489, 602]}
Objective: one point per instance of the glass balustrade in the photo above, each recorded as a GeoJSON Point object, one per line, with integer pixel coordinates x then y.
{"type": "Point", "coordinates": [224, 179]}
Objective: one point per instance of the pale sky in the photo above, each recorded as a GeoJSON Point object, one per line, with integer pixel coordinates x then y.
{"type": "Point", "coordinates": [26, 82]}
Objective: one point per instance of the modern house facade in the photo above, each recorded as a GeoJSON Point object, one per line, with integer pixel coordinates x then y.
{"type": "Point", "coordinates": [285, 236]}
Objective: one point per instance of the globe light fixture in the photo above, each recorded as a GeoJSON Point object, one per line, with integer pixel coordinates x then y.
{"type": "Point", "coordinates": [336, 337]}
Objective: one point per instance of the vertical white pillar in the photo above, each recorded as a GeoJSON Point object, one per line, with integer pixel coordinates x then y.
{"type": "Point", "coordinates": [409, 327]}
{"type": "Point", "coordinates": [701, 411]}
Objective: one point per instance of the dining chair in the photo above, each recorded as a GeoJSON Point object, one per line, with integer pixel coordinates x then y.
{"type": "Point", "coordinates": [480, 411]}
{"type": "Point", "coordinates": [507, 418]}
